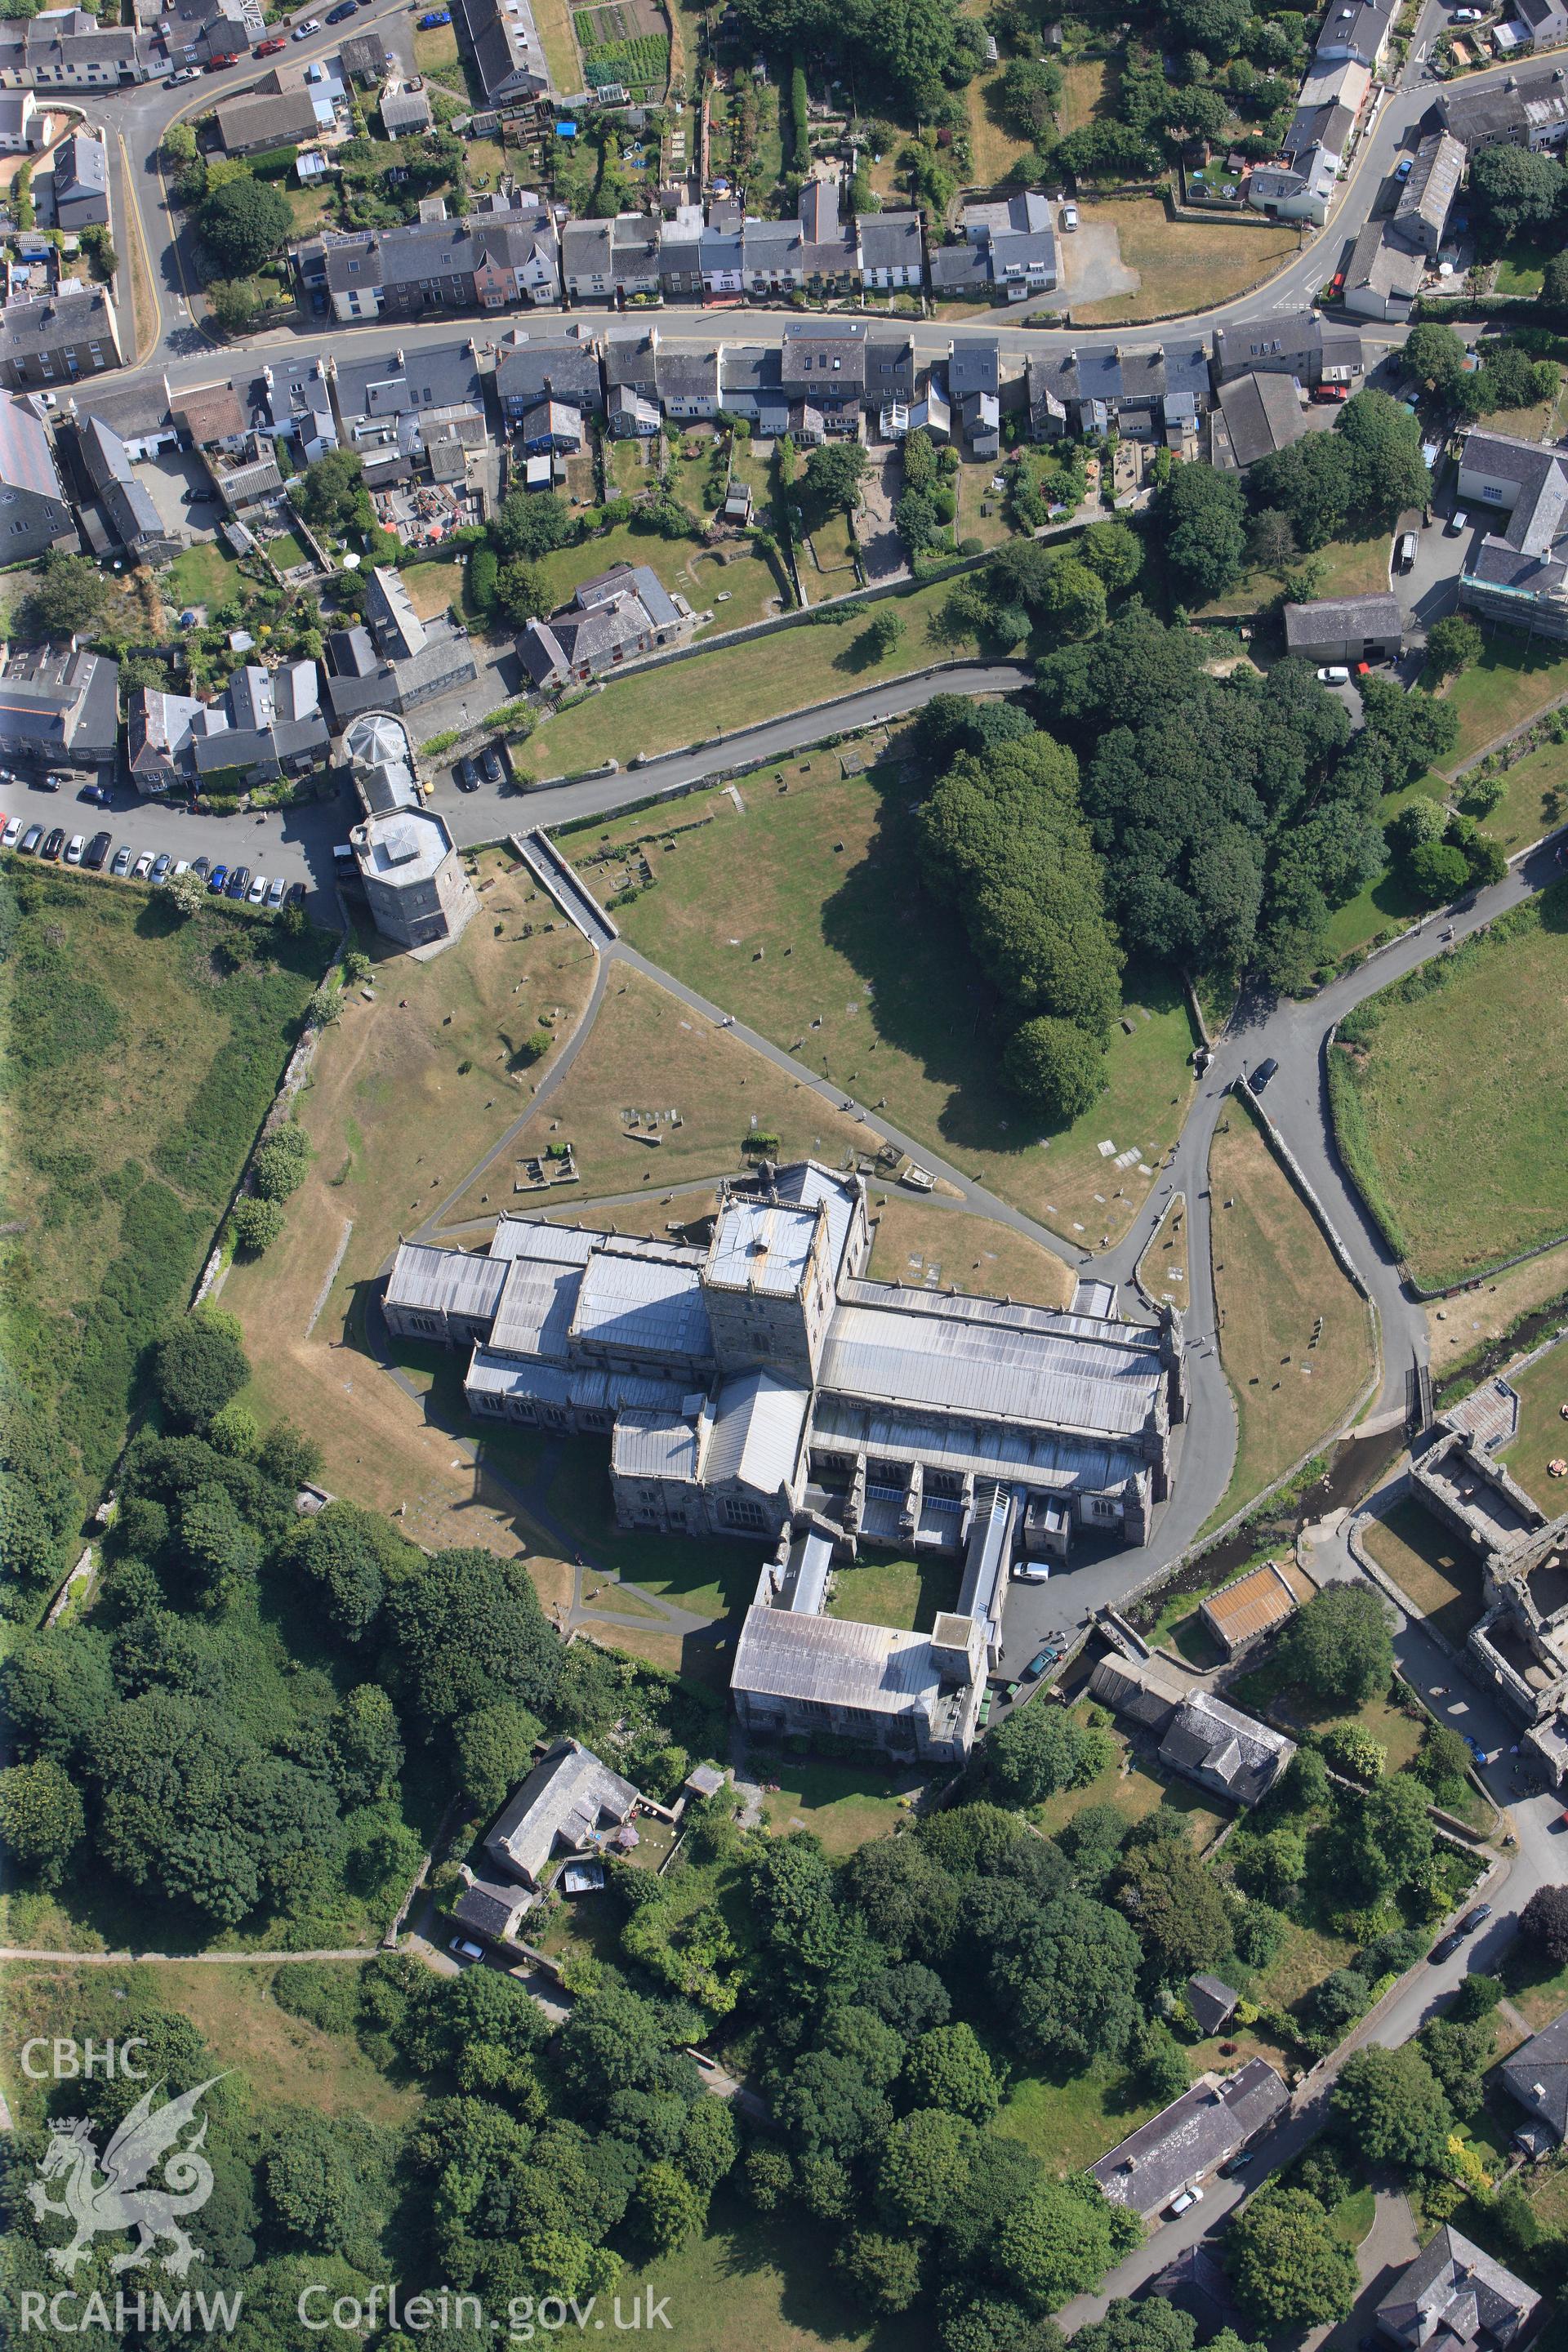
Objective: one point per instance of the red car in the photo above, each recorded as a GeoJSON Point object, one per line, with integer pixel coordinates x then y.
{"type": "Point", "coordinates": [1329, 392]}
{"type": "Point", "coordinates": [269, 48]}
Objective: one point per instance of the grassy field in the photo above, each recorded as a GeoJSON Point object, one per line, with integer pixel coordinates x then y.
{"type": "Point", "coordinates": [843, 1804]}
{"type": "Point", "coordinates": [1068, 2124]}
{"type": "Point", "coordinates": [1125, 1784]}
{"type": "Point", "coordinates": [1184, 264]}
{"type": "Point", "coordinates": [1512, 680]}
{"type": "Point", "coordinates": [980, 508]}
{"type": "Point", "coordinates": [1543, 1432]}
{"type": "Point", "coordinates": [915, 1243]}
{"type": "Point", "coordinates": [202, 574]}
{"type": "Point", "coordinates": [433, 586]}
{"type": "Point", "coordinates": [908, 1593]}
{"type": "Point", "coordinates": [385, 1080]}
{"type": "Point", "coordinates": [765, 2283]}
{"type": "Point", "coordinates": [819, 874]}
{"type": "Point", "coordinates": [1274, 1274]}
{"type": "Point", "coordinates": [710, 1575]}
{"type": "Point", "coordinates": [1449, 1103]}
{"type": "Point", "coordinates": [434, 45]}
{"type": "Point", "coordinates": [660, 709]}
{"type": "Point", "coordinates": [1529, 806]}
{"type": "Point", "coordinates": [1441, 1575]}
{"type": "Point", "coordinates": [1456, 1326]}
{"type": "Point", "coordinates": [558, 41]}
{"type": "Point", "coordinates": [994, 146]}
{"type": "Point", "coordinates": [648, 1054]}
{"type": "Point", "coordinates": [138, 1071]}
{"type": "Point", "coordinates": [1352, 567]}
{"type": "Point", "coordinates": [1083, 88]}
{"type": "Point", "coordinates": [1543, 421]}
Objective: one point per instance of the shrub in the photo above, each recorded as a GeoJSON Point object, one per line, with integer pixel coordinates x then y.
{"type": "Point", "coordinates": [280, 1164]}
{"type": "Point", "coordinates": [257, 1224]}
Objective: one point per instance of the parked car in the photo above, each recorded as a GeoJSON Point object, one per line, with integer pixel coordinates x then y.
{"type": "Point", "coordinates": [1402, 170]}
{"type": "Point", "coordinates": [12, 834]}
{"type": "Point", "coordinates": [96, 795]}
{"type": "Point", "coordinates": [1038, 1662]}
{"type": "Point", "coordinates": [495, 773]}
{"type": "Point", "coordinates": [295, 895]}
{"type": "Point", "coordinates": [1236, 2164]}
{"type": "Point", "coordinates": [1457, 520]}
{"type": "Point", "coordinates": [97, 850]}
{"type": "Point", "coordinates": [1258, 1078]}
{"type": "Point", "coordinates": [1476, 1919]}
{"type": "Point", "coordinates": [202, 866]}
{"type": "Point", "coordinates": [258, 890]}
{"type": "Point", "coordinates": [465, 776]}
{"type": "Point", "coordinates": [238, 883]}
{"type": "Point", "coordinates": [1404, 553]}
{"type": "Point", "coordinates": [1335, 674]}
{"type": "Point", "coordinates": [1068, 216]}
{"type": "Point", "coordinates": [55, 843]}
{"type": "Point", "coordinates": [344, 8]}
{"type": "Point", "coordinates": [45, 783]}
{"type": "Point", "coordinates": [161, 866]}
{"type": "Point", "coordinates": [303, 32]}
{"type": "Point", "coordinates": [122, 866]}
{"type": "Point", "coordinates": [31, 839]}
{"type": "Point", "coordinates": [1325, 392]}
{"type": "Point", "coordinates": [1447, 1949]}
{"type": "Point", "coordinates": [73, 848]}
{"type": "Point", "coordinates": [1185, 2201]}
{"type": "Point", "coordinates": [143, 868]}
{"type": "Point", "coordinates": [217, 880]}
{"type": "Point", "coordinates": [464, 1950]}
{"type": "Point", "coordinates": [269, 48]}
{"type": "Point", "coordinates": [1468, 15]}
{"type": "Point", "coordinates": [275, 891]}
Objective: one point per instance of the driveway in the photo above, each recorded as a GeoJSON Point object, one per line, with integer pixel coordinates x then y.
{"type": "Point", "coordinates": [1092, 269]}
{"type": "Point", "coordinates": [881, 549]}
{"type": "Point", "coordinates": [1431, 587]}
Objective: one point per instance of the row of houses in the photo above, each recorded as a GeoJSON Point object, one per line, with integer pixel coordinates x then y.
{"type": "Point", "coordinates": [70, 48]}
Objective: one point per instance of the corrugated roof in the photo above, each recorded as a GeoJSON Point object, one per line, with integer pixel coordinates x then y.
{"type": "Point", "coordinates": [757, 1429]}
{"type": "Point", "coordinates": [763, 1245]}
{"type": "Point", "coordinates": [584, 1388]}
{"type": "Point", "coordinates": [835, 1662]}
{"type": "Point", "coordinates": [655, 1445]}
{"type": "Point", "coordinates": [645, 1304]}
{"type": "Point", "coordinates": [445, 1282]}
{"type": "Point", "coordinates": [1238, 1612]}
{"type": "Point", "coordinates": [534, 1318]}
{"type": "Point", "coordinates": [1034, 1457]}
{"type": "Point", "coordinates": [908, 1351]}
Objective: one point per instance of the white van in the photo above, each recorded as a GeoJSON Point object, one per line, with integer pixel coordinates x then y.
{"type": "Point", "coordinates": [1405, 555]}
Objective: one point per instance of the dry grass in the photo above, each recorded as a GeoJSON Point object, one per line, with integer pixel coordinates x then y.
{"type": "Point", "coordinates": [1436, 1570]}
{"type": "Point", "coordinates": [1163, 1268]}
{"type": "Point", "coordinates": [1513, 679]}
{"type": "Point", "coordinates": [1543, 1430]}
{"type": "Point", "coordinates": [436, 46]}
{"type": "Point", "coordinates": [559, 42]}
{"type": "Point", "coordinates": [1532, 805]}
{"type": "Point", "coordinates": [1274, 1274]}
{"type": "Point", "coordinates": [994, 147]}
{"type": "Point", "coordinates": [1182, 264]}
{"type": "Point", "coordinates": [385, 1080]}
{"type": "Point", "coordinates": [915, 1241]}
{"type": "Point", "coordinates": [974, 491]}
{"type": "Point", "coordinates": [804, 914]}
{"type": "Point", "coordinates": [1083, 87]}
{"type": "Point", "coordinates": [1456, 1326]}
{"type": "Point", "coordinates": [1132, 1791]}
{"type": "Point", "coordinates": [648, 1053]}
{"type": "Point", "coordinates": [433, 586]}
{"type": "Point", "coordinates": [844, 1804]}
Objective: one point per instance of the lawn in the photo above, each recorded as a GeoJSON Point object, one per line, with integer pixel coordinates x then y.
{"type": "Point", "coordinates": [1134, 1790]}
{"type": "Point", "coordinates": [1352, 567]}
{"type": "Point", "coordinates": [1441, 1575]}
{"type": "Point", "coordinates": [1184, 264]}
{"type": "Point", "coordinates": [832, 548]}
{"type": "Point", "coordinates": [1531, 802]}
{"type": "Point", "coordinates": [804, 914]}
{"type": "Point", "coordinates": [1274, 1276]}
{"type": "Point", "coordinates": [737, 585]}
{"type": "Point", "coordinates": [1083, 90]}
{"type": "Point", "coordinates": [661, 709]}
{"type": "Point", "coordinates": [434, 45]}
{"type": "Point", "coordinates": [1542, 1435]}
{"type": "Point", "coordinates": [394, 1128]}
{"type": "Point", "coordinates": [915, 1242]}
{"type": "Point", "coordinates": [1537, 1991]}
{"type": "Point", "coordinates": [202, 574]}
{"type": "Point", "coordinates": [994, 146]}
{"type": "Point", "coordinates": [980, 508]}
{"type": "Point", "coordinates": [763, 2281]}
{"type": "Point", "coordinates": [1449, 1104]}
{"type": "Point", "coordinates": [627, 466]}
{"type": "Point", "coordinates": [138, 1074]}
{"type": "Point", "coordinates": [908, 1593]}
{"type": "Point", "coordinates": [749, 580]}
{"type": "Point", "coordinates": [709, 1575]}
{"type": "Point", "coordinates": [557, 39]}
{"type": "Point", "coordinates": [433, 586]}
{"type": "Point", "coordinates": [843, 1804]}
{"type": "Point", "coordinates": [1070, 2122]}
{"type": "Point", "coordinates": [1513, 679]}
{"type": "Point", "coordinates": [286, 552]}
{"type": "Point", "coordinates": [312, 209]}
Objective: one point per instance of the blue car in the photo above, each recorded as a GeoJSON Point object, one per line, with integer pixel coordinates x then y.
{"type": "Point", "coordinates": [218, 879]}
{"type": "Point", "coordinates": [434, 16]}
{"type": "Point", "coordinates": [238, 882]}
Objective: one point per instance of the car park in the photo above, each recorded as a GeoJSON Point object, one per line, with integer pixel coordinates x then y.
{"type": "Point", "coordinates": [217, 880]}
{"type": "Point", "coordinates": [73, 848]}
{"type": "Point", "coordinates": [466, 776]}
{"type": "Point", "coordinates": [202, 866]}
{"type": "Point", "coordinates": [143, 868]}
{"type": "Point", "coordinates": [258, 890]}
{"type": "Point", "coordinates": [12, 834]}
{"type": "Point", "coordinates": [161, 866]}
{"type": "Point", "coordinates": [238, 882]}
{"type": "Point", "coordinates": [491, 762]}
{"type": "Point", "coordinates": [31, 839]}
{"type": "Point", "coordinates": [55, 843]}
{"type": "Point", "coordinates": [1335, 674]}
{"type": "Point", "coordinates": [275, 891]}
{"type": "Point", "coordinates": [97, 850]}
{"type": "Point", "coordinates": [122, 866]}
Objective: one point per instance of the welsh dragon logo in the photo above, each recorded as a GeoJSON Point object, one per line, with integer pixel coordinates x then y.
{"type": "Point", "coordinates": [147, 2138]}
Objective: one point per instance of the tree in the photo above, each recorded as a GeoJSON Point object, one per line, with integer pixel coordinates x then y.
{"type": "Point", "coordinates": [1543, 1923]}
{"type": "Point", "coordinates": [1202, 514]}
{"type": "Point", "coordinates": [67, 595]}
{"type": "Point", "coordinates": [1271, 541]}
{"type": "Point", "coordinates": [668, 2209]}
{"type": "Point", "coordinates": [466, 1629]}
{"type": "Point", "coordinates": [1039, 1749]}
{"type": "Point", "coordinates": [884, 2271]}
{"type": "Point", "coordinates": [1115, 552]}
{"type": "Point", "coordinates": [185, 893]}
{"type": "Point", "coordinates": [1351, 1748]}
{"type": "Point", "coordinates": [199, 1367]}
{"type": "Point", "coordinates": [1437, 872]}
{"type": "Point", "coordinates": [708, 2143]}
{"type": "Point", "coordinates": [1517, 193]}
{"type": "Point", "coordinates": [923, 2166]}
{"type": "Point", "coordinates": [217, 1544]}
{"type": "Point", "coordinates": [914, 519]}
{"type": "Point", "coordinates": [353, 1554]}
{"type": "Point", "coordinates": [1389, 2106]}
{"type": "Point", "coordinates": [243, 223]}
{"type": "Point", "coordinates": [1070, 1982]}
{"type": "Point", "coordinates": [834, 476]}
{"type": "Point", "coordinates": [330, 493]}
{"type": "Point", "coordinates": [1061, 2239]}
{"type": "Point", "coordinates": [522, 591]}
{"type": "Point", "coordinates": [1340, 1647]}
{"type": "Point", "coordinates": [1452, 645]}
{"type": "Point", "coordinates": [281, 1163]}
{"type": "Point", "coordinates": [1054, 1065]}
{"type": "Point", "coordinates": [948, 2069]}
{"type": "Point", "coordinates": [1287, 2267]}
{"type": "Point", "coordinates": [41, 1817]}
{"type": "Point", "coordinates": [495, 1748]}
{"type": "Point", "coordinates": [179, 145]}
{"type": "Point", "coordinates": [1176, 1906]}
{"type": "Point", "coordinates": [1436, 356]}
{"type": "Point", "coordinates": [1459, 2051]}
{"type": "Point", "coordinates": [1310, 484]}
{"type": "Point", "coordinates": [1160, 2062]}
{"type": "Point", "coordinates": [530, 524]}
{"type": "Point", "coordinates": [1074, 599]}
{"type": "Point", "coordinates": [1388, 472]}
{"type": "Point", "coordinates": [1217, 27]}
{"type": "Point", "coordinates": [368, 1752]}
{"type": "Point", "coordinates": [1030, 90]}
{"type": "Point", "coordinates": [1410, 732]}
{"type": "Point", "coordinates": [883, 634]}
{"type": "Point", "coordinates": [909, 1899]}
{"type": "Point", "coordinates": [256, 1224]}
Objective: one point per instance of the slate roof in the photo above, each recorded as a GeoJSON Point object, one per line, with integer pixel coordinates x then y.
{"type": "Point", "coordinates": [959, 270]}
{"type": "Point", "coordinates": [557, 1809]}
{"type": "Point", "coordinates": [974, 365]}
{"type": "Point", "coordinates": [1183, 2143]}
{"type": "Point", "coordinates": [1260, 414]}
{"type": "Point", "coordinates": [890, 241]}
{"type": "Point", "coordinates": [1537, 2075]}
{"type": "Point", "coordinates": [441, 375]}
{"type": "Point", "coordinates": [1211, 2001]}
{"type": "Point", "coordinates": [1333, 618]}
{"type": "Point", "coordinates": [548, 367]}
{"type": "Point", "coordinates": [1454, 2294]}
